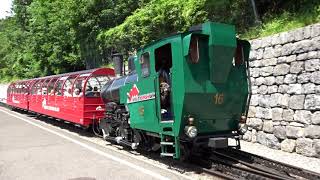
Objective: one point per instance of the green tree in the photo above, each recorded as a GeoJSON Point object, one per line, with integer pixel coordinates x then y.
{"type": "Point", "coordinates": [94, 16]}
{"type": "Point", "coordinates": [47, 37]}
{"type": "Point", "coordinates": [152, 21]}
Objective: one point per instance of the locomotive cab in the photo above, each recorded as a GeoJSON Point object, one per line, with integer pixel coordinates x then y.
{"type": "Point", "coordinates": [216, 86]}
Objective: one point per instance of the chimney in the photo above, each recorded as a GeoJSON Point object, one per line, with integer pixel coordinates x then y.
{"type": "Point", "coordinates": [131, 66]}
{"type": "Point", "coordinates": [117, 59]}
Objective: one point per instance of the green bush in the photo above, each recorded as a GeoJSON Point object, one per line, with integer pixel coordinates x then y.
{"type": "Point", "coordinates": [285, 21]}
{"type": "Point", "coordinates": [155, 20]}
{"type": "Point", "coordinates": [57, 36]}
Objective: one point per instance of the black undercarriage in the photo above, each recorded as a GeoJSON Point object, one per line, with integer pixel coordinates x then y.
{"type": "Point", "coordinates": [115, 127]}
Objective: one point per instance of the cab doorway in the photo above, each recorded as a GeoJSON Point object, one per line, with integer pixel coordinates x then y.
{"type": "Point", "coordinates": [163, 64]}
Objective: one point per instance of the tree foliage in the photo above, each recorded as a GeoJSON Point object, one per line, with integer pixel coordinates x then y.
{"type": "Point", "coordinates": [57, 36]}
{"type": "Point", "coordinates": [156, 19]}
{"type": "Point", "coordinates": [46, 37]}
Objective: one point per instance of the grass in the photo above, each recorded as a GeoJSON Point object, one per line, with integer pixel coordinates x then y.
{"type": "Point", "coordinates": [283, 22]}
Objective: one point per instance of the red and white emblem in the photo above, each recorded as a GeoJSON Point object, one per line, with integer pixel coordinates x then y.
{"type": "Point", "coordinates": [133, 95]}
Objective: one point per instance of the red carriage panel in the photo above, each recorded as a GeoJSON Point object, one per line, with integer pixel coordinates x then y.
{"type": "Point", "coordinates": [18, 94]}
{"type": "Point", "coordinates": [73, 97]}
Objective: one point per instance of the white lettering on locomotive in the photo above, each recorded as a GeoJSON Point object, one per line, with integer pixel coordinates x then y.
{"type": "Point", "coordinates": [133, 95]}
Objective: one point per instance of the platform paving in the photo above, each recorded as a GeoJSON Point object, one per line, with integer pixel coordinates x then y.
{"type": "Point", "coordinates": [34, 151]}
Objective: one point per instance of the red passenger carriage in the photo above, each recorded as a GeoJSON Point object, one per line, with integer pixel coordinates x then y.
{"type": "Point", "coordinates": [17, 94]}
{"type": "Point", "coordinates": [74, 97]}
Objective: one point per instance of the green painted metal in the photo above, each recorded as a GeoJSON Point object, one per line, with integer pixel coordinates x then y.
{"type": "Point", "coordinates": [213, 91]}
{"type": "Point", "coordinates": [221, 48]}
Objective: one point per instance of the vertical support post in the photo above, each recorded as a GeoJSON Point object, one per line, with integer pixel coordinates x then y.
{"type": "Point", "coordinates": [118, 63]}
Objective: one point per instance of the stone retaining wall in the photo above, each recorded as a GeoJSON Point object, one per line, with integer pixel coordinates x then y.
{"type": "Point", "coordinates": [285, 105]}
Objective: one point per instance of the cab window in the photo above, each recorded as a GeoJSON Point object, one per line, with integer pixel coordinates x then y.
{"type": "Point", "coordinates": [58, 86]}
{"type": "Point", "coordinates": [145, 64]}
{"type": "Point", "coordinates": [238, 59]}
{"type": "Point", "coordinates": [44, 89]}
{"type": "Point", "coordinates": [36, 88]}
{"type": "Point", "coordinates": [24, 88]}
{"type": "Point", "coordinates": [194, 50]}
{"type": "Point", "coordinates": [51, 87]}
{"type": "Point", "coordinates": [78, 85]}
{"type": "Point", "coordinates": [67, 87]}
{"type": "Point", "coordinates": [94, 85]}
{"type": "Point", "coordinates": [19, 88]}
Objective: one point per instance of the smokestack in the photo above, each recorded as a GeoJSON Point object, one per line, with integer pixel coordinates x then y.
{"type": "Point", "coordinates": [117, 59]}
{"type": "Point", "coordinates": [131, 66]}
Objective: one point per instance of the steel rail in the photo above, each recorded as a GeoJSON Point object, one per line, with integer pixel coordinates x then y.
{"type": "Point", "coordinates": [252, 166]}
{"type": "Point", "coordinates": [278, 166]}
{"type": "Point", "coordinates": [219, 174]}
{"type": "Point", "coordinates": [242, 171]}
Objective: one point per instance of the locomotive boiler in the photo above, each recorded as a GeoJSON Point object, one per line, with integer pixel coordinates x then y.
{"type": "Point", "coordinates": [188, 93]}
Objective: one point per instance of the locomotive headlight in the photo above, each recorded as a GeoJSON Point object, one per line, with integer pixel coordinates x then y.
{"type": "Point", "coordinates": [191, 131]}
{"type": "Point", "coordinates": [190, 121]}
{"type": "Point", "coordinates": [243, 119]}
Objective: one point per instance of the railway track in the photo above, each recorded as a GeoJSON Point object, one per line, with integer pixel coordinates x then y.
{"type": "Point", "coordinates": [236, 164]}
{"type": "Point", "coordinates": [227, 163]}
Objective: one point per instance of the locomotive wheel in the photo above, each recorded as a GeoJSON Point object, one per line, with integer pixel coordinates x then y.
{"type": "Point", "coordinates": [106, 132]}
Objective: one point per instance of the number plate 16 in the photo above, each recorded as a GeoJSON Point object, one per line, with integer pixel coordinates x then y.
{"type": "Point", "coordinates": [218, 98]}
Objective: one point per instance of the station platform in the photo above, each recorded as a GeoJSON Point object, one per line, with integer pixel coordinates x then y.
{"type": "Point", "coordinates": [33, 150]}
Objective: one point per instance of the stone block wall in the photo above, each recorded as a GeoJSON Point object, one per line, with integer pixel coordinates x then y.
{"type": "Point", "coordinates": [285, 104]}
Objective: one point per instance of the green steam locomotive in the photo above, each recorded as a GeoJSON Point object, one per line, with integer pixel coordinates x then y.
{"type": "Point", "coordinates": [185, 94]}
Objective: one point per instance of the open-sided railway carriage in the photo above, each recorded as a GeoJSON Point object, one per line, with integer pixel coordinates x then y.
{"type": "Point", "coordinates": [187, 93]}
{"type": "Point", "coordinates": [73, 97]}
{"type": "Point", "coordinates": [18, 94]}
